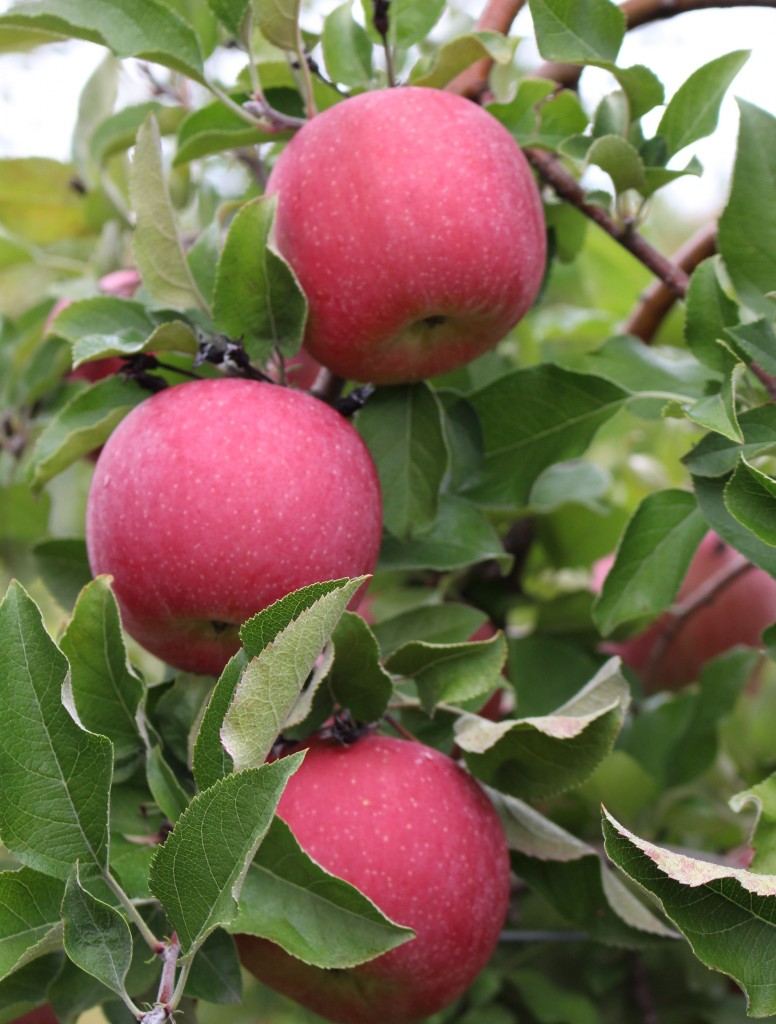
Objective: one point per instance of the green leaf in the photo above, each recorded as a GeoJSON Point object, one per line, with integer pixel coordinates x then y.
{"type": "Point", "coordinates": [165, 788]}
{"type": "Point", "coordinates": [677, 739]}
{"type": "Point", "coordinates": [578, 33]}
{"type": "Point", "coordinates": [762, 797]}
{"type": "Point", "coordinates": [95, 103]}
{"type": "Point", "coordinates": [757, 341]}
{"type": "Point", "coordinates": [461, 535]}
{"type": "Point", "coordinates": [612, 116]}
{"type": "Point", "coordinates": [316, 917]}
{"type": "Point", "coordinates": [157, 247]}
{"type": "Point", "coordinates": [347, 49]}
{"type": "Point", "coordinates": [30, 917]}
{"type": "Point", "coordinates": [720, 411]}
{"type": "Point", "coordinates": [560, 413]}
{"type": "Point", "coordinates": [408, 21]}
{"type": "Point", "coordinates": [574, 878]}
{"type": "Point", "coordinates": [546, 671]}
{"type": "Point", "coordinates": [278, 21]}
{"type": "Point", "coordinates": [24, 516]}
{"type": "Point", "coordinates": [82, 425]}
{"type": "Point", "coordinates": [717, 455]}
{"type": "Point", "coordinates": [56, 776]}
{"type": "Point", "coordinates": [403, 429]}
{"type": "Point", "coordinates": [63, 565]}
{"type": "Point", "coordinates": [230, 13]}
{"type": "Point", "coordinates": [694, 109]}
{"type": "Point", "coordinates": [750, 496]}
{"type": "Point", "coordinates": [710, 492]}
{"type": "Point", "coordinates": [104, 689]}
{"type": "Point", "coordinates": [38, 202]}
{"type": "Point", "coordinates": [581, 483]}
{"type": "Point", "coordinates": [533, 758]}
{"type": "Point", "coordinates": [652, 559]}
{"type": "Point", "coordinates": [451, 673]}
{"type": "Point", "coordinates": [434, 623]}
{"type": "Point", "coordinates": [257, 297]}
{"type": "Point", "coordinates": [747, 227]}
{"type": "Point", "coordinates": [97, 938]}
{"type": "Point", "coordinates": [117, 133]}
{"type": "Point", "coordinates": [147, 29]}
{"type": "Point", "coordinates": [272, 681]}
{"type": "Point", "coordinates": [213, 129]}
{"type": "Point", "coordinates": [198, 873]}
{"type": "Point", "coordinates": [460, 53]}
{"type": "Point", "coordinates": [211, 762]}
{"type": "Point", "coordinates": [357, 679]}
{"type": "Point", "coordinates": [620, 160]}
{"type": "Point", "coordinates": [709, 313]}
{"type": "Point", "coordinates": [215, 975]}
{"type": "Point", "coordinates": [727, 914]}
{"type": "Point", "coordinates": [642, 87]}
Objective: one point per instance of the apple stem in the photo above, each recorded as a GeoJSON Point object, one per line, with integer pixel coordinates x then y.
{"type": "Point", "coordinates": [681, 613]}
{"type": "Point", "coordinates": [396, 725]}
{"type": "Point", "coordinates": [381, 23]}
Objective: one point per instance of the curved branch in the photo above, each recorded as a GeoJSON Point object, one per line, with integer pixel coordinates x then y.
{"type": "Point", "coordinates": [567, 187]}
{"type": "Point", "coordinates": [497, 16]}
{"type": "Point", "coordinates": [656, 302]}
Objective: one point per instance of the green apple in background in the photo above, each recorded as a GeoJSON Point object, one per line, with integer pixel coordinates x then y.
{"type": "Point", "coordinates": [412, 220]}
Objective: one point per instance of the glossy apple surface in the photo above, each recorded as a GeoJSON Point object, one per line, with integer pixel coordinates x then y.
{"type": "Point", "coordinates": [214, 498]}
{"type": "Point", "coordinates": [414, 225]}
{"type": "Point", "coordinates": [416, 833]}
{"type": "Point", "coordinates": [736, 615]}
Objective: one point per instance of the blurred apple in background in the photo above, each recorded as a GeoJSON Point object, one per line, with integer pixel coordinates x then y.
{"type": "Point", "coordinates": [737, 614]}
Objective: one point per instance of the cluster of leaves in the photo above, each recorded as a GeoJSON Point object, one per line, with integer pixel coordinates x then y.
{"type": "Point", "coordinates": [502, 482]}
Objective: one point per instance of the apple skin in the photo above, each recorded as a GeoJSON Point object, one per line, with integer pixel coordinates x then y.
{"type": "Point", "coordinates": [418, 836]}
{"type": "Point", "coordinates": [214, 498]}
{"type": "Point", "coordinates": [737, 615]}
{"type": "Point", "coordinates": [40, 1015]}
{"type": "Point", "coordinates": [415, 227]}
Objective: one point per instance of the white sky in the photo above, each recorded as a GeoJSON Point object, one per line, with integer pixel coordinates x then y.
{"type": "Point", "coordinates": [39, 91]}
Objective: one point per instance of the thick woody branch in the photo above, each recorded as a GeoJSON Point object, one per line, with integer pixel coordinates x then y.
{"type": "Point", "coordinates": [657, 301]}
{"type": "Point", "coordinates": [497, 16]}
{"type": "Point", "coordinates": [567, 187]}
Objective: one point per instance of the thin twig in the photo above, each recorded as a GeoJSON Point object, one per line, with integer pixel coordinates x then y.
{"type": "Point", "coordinates": [397, 727]}
{"type": "Point", "coordinates": [567, 187]}
{"type": "Point", "coordinates": [149, 938]}
{"type": "Point", "coordinates": [497, 16]}
{"type": "Point", "coordinates": [656, 302]}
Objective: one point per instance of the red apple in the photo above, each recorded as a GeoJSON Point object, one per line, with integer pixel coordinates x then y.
{"type": "Point", "coordinates": [214, 498]}
{"type": "Point", "coordinates": [414, 225]}
{"type": "Point", "coordinates": [736, 615]}
{"type": "Point", "coordinates": [40, 1015]}
{"type": "Point", "coordinates": [416, 833]}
